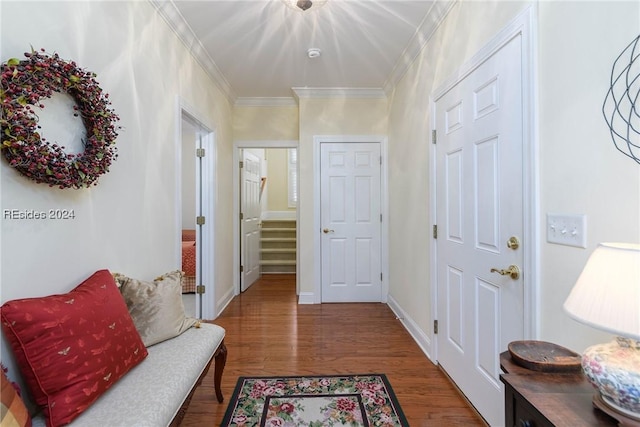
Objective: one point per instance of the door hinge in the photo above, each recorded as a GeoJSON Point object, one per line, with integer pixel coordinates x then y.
{"type": "Point", "coordinates": [241, 216]}
{"type": "Point", "coordinates": [381, 277]}
{"type": "Point", "coordinates": [200, 289]}
{"type": "Point", "coordinates": [434, 136]}
{"type": "Point", "coordinates": [199, 152]}
{"type": "Point", "coordinates": [200, 220]}
{"type": "Point", "coordinates": [435, 231]}
{"type": "Point", "coordinates": [381, 160]}
{"type": "Point", "coordinates": [435, 326]}
{"type": "Point", "coordinates": [380, 217]}
{"type": "Point", "coordinates": [241, 268]}
{"type": "Point", "coordinates": [241, 165]}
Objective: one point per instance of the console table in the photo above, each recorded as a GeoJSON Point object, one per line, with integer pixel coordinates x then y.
{"type": "Point", "coordinates": [537, 399]}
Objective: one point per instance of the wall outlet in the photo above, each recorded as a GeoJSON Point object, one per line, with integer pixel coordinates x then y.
{"type": "Point", "coordinates": [567, 229]}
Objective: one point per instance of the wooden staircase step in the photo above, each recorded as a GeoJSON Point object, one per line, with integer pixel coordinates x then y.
{"type": "Point", "coordinates": [277, 262]}
{"type": "Point", "coordinates": [278, 246]}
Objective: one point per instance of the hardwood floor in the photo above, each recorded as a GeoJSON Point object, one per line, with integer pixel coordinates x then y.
{"type": "Point", "coordinates": [269, 333]}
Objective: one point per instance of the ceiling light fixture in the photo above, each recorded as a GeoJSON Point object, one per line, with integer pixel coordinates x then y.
{"type": "Point", "coordinates": [314, 52]}
{"type": "Point", "coordinates": [304, 5]}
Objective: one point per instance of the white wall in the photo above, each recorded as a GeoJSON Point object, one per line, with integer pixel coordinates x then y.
{"type": "Point", "coordinates": [580, 170]}
{"type": "Point", "coordinates": [128, 222]}
{"type": "Point", "coordinates": [326, 116]}
{"type": "Point", "coordinates": [271, 123]}
{"type": "Point", "coordinates": [278, 180]}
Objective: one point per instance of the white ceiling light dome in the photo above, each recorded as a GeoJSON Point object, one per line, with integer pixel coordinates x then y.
{"type": "Point", "coordinates": [314, 52]}
{"type": "Point", "coordinates": [304, 5]}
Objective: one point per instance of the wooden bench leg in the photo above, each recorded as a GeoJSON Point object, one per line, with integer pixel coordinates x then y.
{"type": "Point", "coordinates": [221, 361]}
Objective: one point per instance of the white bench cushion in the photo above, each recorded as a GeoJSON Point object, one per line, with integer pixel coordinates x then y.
{"type": "Point", "coordinates": [151, 394]}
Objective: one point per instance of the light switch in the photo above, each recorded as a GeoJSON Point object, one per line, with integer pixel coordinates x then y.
{"type": "Point", "coordinates": [567, 229]}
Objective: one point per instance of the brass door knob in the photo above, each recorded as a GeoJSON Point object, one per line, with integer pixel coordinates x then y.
{"type": "Point", "coordinates": [326, 231]}
{"type": "Point", "coordinates": [512, 271]}
{"type": "Point", "coordinates": [513, 243]}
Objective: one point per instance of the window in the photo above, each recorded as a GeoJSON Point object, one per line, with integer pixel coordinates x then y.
{"type": "Point", "coordinates": [292, 169]}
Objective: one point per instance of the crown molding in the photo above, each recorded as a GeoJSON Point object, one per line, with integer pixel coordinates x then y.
{"type": "Point", "coordinates": [169, 12]}
{"type": "Point", "coordinates": [338, 92]}
{"type": "Point", "coordinates": [429, 25]}
{"type": "Point", "coordinates": [266, 102]}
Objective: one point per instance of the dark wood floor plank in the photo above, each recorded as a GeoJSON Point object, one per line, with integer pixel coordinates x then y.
{"type": "Point", "coordinates": [269, 333]}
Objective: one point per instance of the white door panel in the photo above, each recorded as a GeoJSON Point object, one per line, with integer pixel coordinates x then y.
{"type": "Point", "coordinates": [479, 188]}
{"type": "Point", "coordinates": [350, 217]}
{"type": "Point", "coordinates": [250, 224]}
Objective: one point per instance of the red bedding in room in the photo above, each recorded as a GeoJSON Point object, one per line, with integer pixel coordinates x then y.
{"type": "Point", "coordinates": [189, 261]}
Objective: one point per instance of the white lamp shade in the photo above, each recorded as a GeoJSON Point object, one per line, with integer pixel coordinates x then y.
{"type": "Point", "coordinates": [607, 293]}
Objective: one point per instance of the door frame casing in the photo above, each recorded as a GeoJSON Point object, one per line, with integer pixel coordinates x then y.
{"type": "Point", "coordinates": [205, 196]}
{"type": "Point", "coordinates": [237, 146]}
{"type": "Point", "coordinates": [522, 25]}
{"type": "Point", "coordinates": [316, 298]}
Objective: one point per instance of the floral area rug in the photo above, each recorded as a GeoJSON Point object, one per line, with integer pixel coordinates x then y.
{"type": "Point", "coordinates": [314, 401]}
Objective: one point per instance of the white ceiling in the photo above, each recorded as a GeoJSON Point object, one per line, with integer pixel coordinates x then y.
{"type": "Point", "coordinates": [257, 49]}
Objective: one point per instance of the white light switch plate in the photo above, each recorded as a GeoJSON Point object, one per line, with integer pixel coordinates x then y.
{"type": "Point", "coordinates": [567, 229]}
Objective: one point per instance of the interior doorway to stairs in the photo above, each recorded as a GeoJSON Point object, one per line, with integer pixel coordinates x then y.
{"type": "Point", "coordinates": [265, 217]}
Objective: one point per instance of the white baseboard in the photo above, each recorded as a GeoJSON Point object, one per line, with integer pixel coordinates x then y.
{"type": "Point", "coordinates": [225, 301]}
{"type": "Point", "coordinates": [306, 298]}
{"type": "Point", "coordinates": [418, 335]}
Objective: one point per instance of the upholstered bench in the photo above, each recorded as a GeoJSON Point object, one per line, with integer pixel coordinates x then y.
{"type": "Point", "coordinates": [113, 352]}
{"type": "Point", "coordinates": [158, 390]}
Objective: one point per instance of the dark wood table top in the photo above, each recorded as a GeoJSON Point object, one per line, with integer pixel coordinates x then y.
{"type": "Point", "coordinates": [565, 399]}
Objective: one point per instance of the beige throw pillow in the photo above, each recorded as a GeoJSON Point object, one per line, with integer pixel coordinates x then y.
{"type": "Point", "coordinates": [156, 307]}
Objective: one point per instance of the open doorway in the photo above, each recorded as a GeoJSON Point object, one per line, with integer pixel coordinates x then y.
{"type": "Point", "coordinates": [195, 216]}
{"type": "Point", "coordinates": [188, 259]}
{"type": "Point", "coordinates": [266, 183]}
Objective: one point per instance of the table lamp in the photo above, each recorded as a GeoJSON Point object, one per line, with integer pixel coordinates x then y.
{"type": "Point", "coordinates": [607, 297]}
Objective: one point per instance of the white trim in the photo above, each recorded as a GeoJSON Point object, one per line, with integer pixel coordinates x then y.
{"type": "Point", "coordinates": [237, 146]}
{"type": "Point", "coordinates": [434, 244]}
{"type": "Point", "coordinates": [281, 101]}
{"type": "Point", "coordinates": [339, 92]}
{"type": "Point", "coordinates": [206, 200]}
{"type": "Point", "coordinates": [384, 209]}
{"type": "Point", "coordinates": [306, 298]}
{"type": "Point", "coordinates": [172, 16]}
{"type": "Point", "coordinates": [428, 27]}
{"type": "Point", "coordinates": [523, 25]}
{"type": "Point", "coordinates": [531, 169]}
{"type": "Point", "coordinates": [423, 340]}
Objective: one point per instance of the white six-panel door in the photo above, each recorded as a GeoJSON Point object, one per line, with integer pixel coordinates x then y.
{"type": "Point", "coordinates": [351, 223]}
{"type": "Point", "coordinates": [250, 223]}
{"type": "Point", "coordinates": [479, 193]}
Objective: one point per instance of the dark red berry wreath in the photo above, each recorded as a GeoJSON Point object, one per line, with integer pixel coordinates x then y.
{"type": "Point", "coordinates": [24, 84]}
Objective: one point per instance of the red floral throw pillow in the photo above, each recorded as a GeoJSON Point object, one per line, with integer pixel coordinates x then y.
{"type": "Point", "coordinates": [72, 347]}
